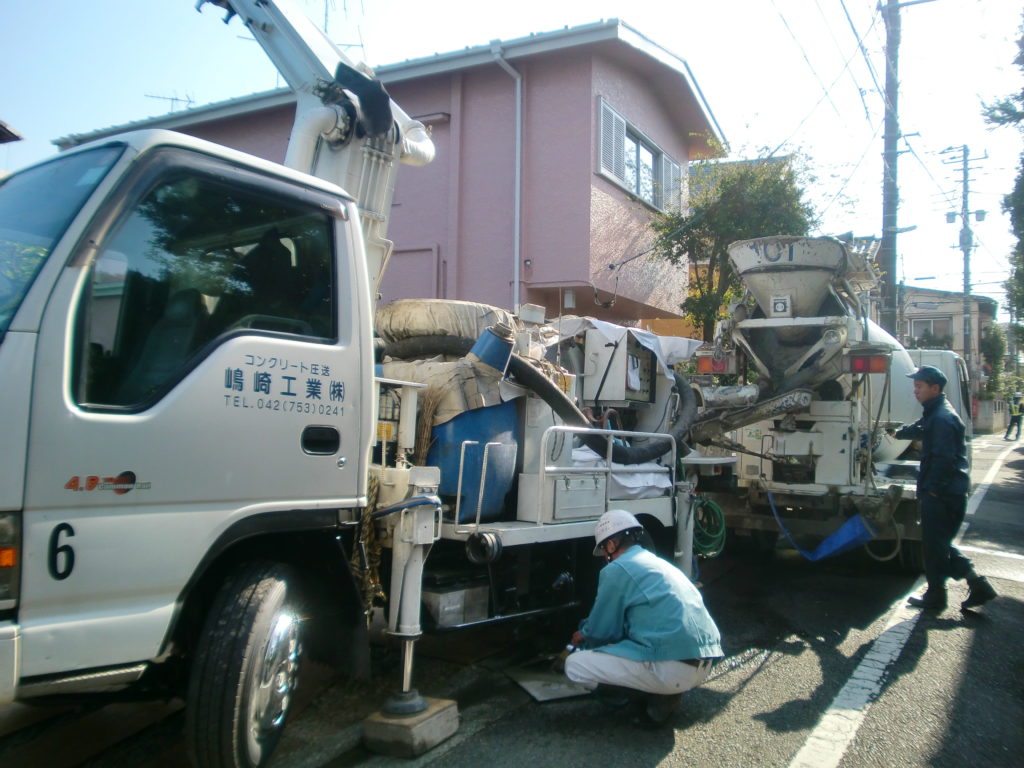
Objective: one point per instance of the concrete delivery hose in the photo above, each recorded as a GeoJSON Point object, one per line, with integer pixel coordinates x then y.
{"type": "Point", "coordinates": [533, 379]}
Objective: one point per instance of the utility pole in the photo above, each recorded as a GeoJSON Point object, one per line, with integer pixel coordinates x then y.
{"type": "Point", "coordinates": [966, 244]}
{"type": "Point", "coordinates": [890, 157]}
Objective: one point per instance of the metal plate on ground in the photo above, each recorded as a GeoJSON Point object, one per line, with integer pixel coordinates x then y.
{"type": "Point", "coordinates": [543, 684]}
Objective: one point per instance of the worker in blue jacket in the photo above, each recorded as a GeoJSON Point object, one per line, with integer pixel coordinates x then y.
{"type": "Point", "coordinates": [648, 630]}
{"type": "Point", "coordinates": [943, 483]}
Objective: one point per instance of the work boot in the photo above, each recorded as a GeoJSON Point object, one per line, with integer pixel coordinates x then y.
{"type": "Point", "coordinates": [657, 710]}
{"type": "Point", "coordinates": [615, 696]}
{"type": "Point", "coordinates": [981, 592]}
{"type": "Point", "coordinates": [931, 600]}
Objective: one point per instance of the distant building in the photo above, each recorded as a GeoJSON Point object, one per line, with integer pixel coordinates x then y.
{"type": "Point", "coordinates": [935, 319]}
{"type": "Point", "coordinates": [608, 124]}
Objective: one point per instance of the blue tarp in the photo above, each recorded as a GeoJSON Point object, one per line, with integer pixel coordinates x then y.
{"type": "Point", "coordinates": [853, 533]}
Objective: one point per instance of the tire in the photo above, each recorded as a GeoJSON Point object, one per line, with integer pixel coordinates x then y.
{"type": "Point", "coordinates": [245, 669]}
{"type": "Point", "coordinates": [912, 556]}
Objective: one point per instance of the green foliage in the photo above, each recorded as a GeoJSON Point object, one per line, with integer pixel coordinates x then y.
{"type": "Point", "coordinates": [993, 349]}
{"type": "Point", "coordinates": [928, 340]}
{"type": "Point", "coordinates": [1010, 112]}
{"type": "Point", "coordinates": [728, 202]}
{"type": "Point", "coordinates": [993, 345]}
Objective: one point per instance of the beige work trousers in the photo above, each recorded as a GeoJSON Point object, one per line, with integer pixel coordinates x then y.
{"type": "Point", "coordinates": [589, 668]}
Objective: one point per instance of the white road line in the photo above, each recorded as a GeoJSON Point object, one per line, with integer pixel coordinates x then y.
{"type": "Point", "coordinates": [979, 492]}
{"type": "Point", "coordinates": [990, 552]}
{"type": "Point", "coordinates": [832, 736]}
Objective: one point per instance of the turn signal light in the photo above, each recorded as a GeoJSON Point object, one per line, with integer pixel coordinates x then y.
{"type": "Point", "coordinates": [8, 557]}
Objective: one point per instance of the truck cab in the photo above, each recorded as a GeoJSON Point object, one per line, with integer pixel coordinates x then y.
{"type": "Point", "coordinates": [186, 345]}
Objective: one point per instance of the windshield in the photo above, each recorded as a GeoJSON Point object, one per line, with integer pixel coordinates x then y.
{"type": "Point", "coordinates": [36, 206]}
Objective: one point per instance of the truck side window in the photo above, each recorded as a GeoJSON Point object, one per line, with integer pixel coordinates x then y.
{"type": "Point", "coordinates": [198, 260]}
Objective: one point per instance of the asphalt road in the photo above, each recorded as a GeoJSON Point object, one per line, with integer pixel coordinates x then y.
{"type": "Point", "coordinates": [825, 667]}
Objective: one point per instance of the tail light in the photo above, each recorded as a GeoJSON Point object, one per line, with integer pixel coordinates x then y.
{"type": "Point", "coordinates": [10, 556]}
{"type": "Point", "coordinates": [716, 360]}
{"type": "Point", "coordinates": [868, 363]}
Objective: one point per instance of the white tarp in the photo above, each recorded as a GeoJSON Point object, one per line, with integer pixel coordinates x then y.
{"type": "Point", "coordinates": [633, 481]}
{"type": "Point", "coordinates": [668, 349]}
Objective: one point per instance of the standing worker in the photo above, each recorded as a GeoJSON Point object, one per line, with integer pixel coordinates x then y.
{"type": "Point", "coordinates": [942, 487]}
{"type": "Point", "coordinates": [648, 630]}
{"type": "Point", "coordinates": [1014, 417]}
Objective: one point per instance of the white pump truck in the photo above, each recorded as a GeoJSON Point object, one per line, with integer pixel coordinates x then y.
{"type": "Point", "coordinates": [215, 458]}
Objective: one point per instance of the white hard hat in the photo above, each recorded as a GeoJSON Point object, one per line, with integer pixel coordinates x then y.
{"type": "Point", "coordinates": [610, 523]}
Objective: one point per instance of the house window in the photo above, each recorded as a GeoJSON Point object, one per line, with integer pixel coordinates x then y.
{"type": "Point", "coordinates": [636, 163]}
{"type": "Point", "coordinates": [932, 331]}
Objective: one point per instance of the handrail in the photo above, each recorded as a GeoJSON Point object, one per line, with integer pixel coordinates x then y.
{"type": "Point", "coordinates": [608, 434]}
{"type": "Point", "coordinates": [481, 489]}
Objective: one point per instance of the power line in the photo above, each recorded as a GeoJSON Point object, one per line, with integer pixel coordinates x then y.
{"type": "Point", "coordinates": [853, 77]}
{"type": "Point", "coordinates": [863, 51]}
{"type": "Point", "coordinates": [815, 107]}
{"type": "Point", "coordinates": [945, 195]}
{"type": "Point", "coordinates": [854, 171]}
{"type": "Point", "coordinates": [803, 52]}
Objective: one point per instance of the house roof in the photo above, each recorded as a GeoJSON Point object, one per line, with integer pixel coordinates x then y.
{"type": "Point", "coordinates": [7, 133]}
{"type": "Point", "coordinates": [608, 32]}
{"type": "Point", "coordinates": [947, 297]}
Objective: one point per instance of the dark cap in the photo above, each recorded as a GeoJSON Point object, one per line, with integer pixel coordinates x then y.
{"type": "Point", "coordinates": [929, 374]}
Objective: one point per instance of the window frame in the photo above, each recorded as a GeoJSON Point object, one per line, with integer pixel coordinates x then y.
{"type": "Point", "coordinates": [614, 135]}
{"type": "Point", "coordinates": [155, 167]}
{"type": "Point", "coordinates": [931, 325]}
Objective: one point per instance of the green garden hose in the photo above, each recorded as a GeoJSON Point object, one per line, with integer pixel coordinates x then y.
{"type": "Point", "coordinates": [708, 528]}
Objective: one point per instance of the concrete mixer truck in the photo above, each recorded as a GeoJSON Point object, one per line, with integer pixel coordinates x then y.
{"type": "Point", "coordinates": [802, 330]}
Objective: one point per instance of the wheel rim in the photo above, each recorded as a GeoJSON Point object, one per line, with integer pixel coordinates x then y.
{"type": "Point", "coordinates": [273, 683]}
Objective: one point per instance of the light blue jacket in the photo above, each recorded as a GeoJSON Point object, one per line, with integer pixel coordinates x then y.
{"type": "Point", "coordinates": [647, 610]}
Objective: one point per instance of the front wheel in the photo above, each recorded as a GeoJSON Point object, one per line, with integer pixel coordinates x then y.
{"type": "Point", "coordinates": [245, 669]}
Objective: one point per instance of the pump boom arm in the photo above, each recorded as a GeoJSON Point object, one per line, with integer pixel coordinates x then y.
{"type": "Point", "coordinates": [347, 129]}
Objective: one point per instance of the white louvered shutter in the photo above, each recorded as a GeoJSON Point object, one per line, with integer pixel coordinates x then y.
{"type": "Point", "coordinates": [613, 143]}
{"type": "Point", "coordinates": [671, 184]}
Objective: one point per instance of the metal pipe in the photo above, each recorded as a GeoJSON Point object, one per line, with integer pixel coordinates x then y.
{"type": "Point", "coordinates": [518, 192]}
{"type": "Point", "coordinates": [407, 648]}
{"type": "Point", "coordinates": [310, 125]}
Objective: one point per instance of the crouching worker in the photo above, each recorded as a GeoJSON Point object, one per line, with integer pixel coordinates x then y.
{"type": "Point", "coordinates": [648, 630]}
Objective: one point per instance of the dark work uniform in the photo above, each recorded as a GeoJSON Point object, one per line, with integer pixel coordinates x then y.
{"type": "Point", "coordinates": [942, 487]}
{"type": "Point", "coordinates": [1015, 408]}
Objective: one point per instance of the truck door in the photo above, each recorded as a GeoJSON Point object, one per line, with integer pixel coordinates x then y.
{"type": "Point", "coordinates": [200, 368]}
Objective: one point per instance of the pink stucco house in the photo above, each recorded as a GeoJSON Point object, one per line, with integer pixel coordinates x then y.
{"type": "Point", "coordinates": [552, 152]}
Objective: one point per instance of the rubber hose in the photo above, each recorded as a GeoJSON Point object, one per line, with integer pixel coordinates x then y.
{"type": "Point", "coordinates": [559, 402]}
{"type": "Point", "coordinates": [535, 380]}
{"type": "Point", "coordinates": [708, 528]}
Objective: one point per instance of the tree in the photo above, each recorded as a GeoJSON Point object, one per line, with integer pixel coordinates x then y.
{"type": "Point", "coordinates": [728, 202]}
{"type": "Point", "coordinates": [1010, 112]}
{"type": "Point", "coordinates": [993, 349]}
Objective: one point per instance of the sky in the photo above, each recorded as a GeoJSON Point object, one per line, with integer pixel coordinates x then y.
{"type": "Point", "coordinates": [800, 76]}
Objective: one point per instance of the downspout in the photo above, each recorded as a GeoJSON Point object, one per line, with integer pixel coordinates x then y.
{"type": "Point", "coordinates": [517, 197]}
